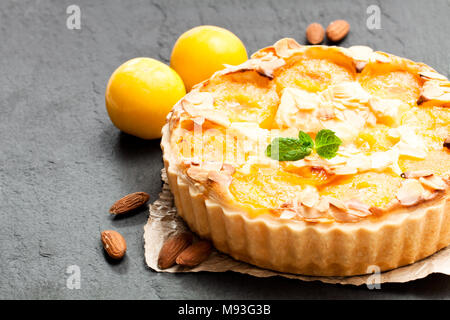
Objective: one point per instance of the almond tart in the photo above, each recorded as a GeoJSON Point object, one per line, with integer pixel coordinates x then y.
{"type": "Point", "coordinates": [380, 198]}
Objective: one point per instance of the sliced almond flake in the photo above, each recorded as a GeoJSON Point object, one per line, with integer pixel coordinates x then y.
{"type": "Point", "coordinates": [437, 90]}
{"type": "Point", "coordinates": [220, 178]}
{"type": "Point", "coordinates": [267, 68]}
{"type": "Point", "coordinates": [432, 75]}
{"type": "Point", "coordinates": [286, 47]}
{"type": "Point", "coordinates": [345, 170]}
{"type": "Point", "coordinates": [265, 65]}
{"type": "Point", "coordinates": [337, 203]}
{"type": "Point", "coordinates": [393, 133]}
{"type": "Point", "coordinates": [302, 100]}
{"type": "Point", "coordinates": [433, 182]}
{"type": "Point", "coordinates": [338, 160]}
{"type": "Point", "coordinates": [361, 209]}
{"type": "Point", "coordinates": [386, 108]}
{"type": "Point", "coordinates": [288, 214]}
{"type": "Point", "coordinates": [323, 205]}
{"type": "Point", "coordinates": [197, 174]}
{"type": "Point", "coordinates": [349, 94]}
{"type": "Point", "coordinates": [416, 174]}
{"type": "Point", "coordinates": [358, 213]}
{"type": "Point", "coordinates": [199, 120]}
{"type": "Point", "coordinates": [325, 113]}
{"type": "Point", "coordinates": [360, 65]}
{"type": "Point", "coordinates": [296, 110]}
{"type": "Point", "coordinates": [381, 160]}
{"type": "Point", "coordinates": [406, 150]}
{"type": "Point", "coordinates": [360, 162]}
{"type": "Point", "coordinates": [311, 213]}
{"type": "Point", "coordinates": [200, 106]}
{"type": "Point", "coordinates": [380, 57]}
{"type": "Point", "coordinates": [361, 53]}
{"type": "Point", "coordinates": [410, 192]}
{"type": "Point", "coordinates": [228, 168]}
{"type": "Point", "coordinates": [199, 99]}
{"type": "Point", "coordinates": [344, 216]}
{"type": "Point", "coordinates": [309, 196]}
{"type": "Point", "coordinates": [429, 195]}
{"type": "Point", "coordinates": [376, 211]}
{"type": "Point", "coordinates": [211, 165]}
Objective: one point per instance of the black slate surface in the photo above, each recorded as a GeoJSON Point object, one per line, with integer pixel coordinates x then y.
{"type": "Point", "coordinates": [62, 162]}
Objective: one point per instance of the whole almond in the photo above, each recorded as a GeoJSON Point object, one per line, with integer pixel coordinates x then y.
{"type": "Point", "coordinates": [315, 33]}
{"type": "Point", "coordinates": [114, 244]}
{"type": "Point", "coordinates": [337, 30]}
{"type": "Point", "coordinates": [194, 254]}
{"type": "Point", "coordinates": [172, 248]}
{"type": "Point", "coordinates": [129, 202]}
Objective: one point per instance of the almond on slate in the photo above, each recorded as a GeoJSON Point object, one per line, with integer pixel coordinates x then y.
{"type": "Point", "coordinates": [172, 248]}
{"type": "Point", "coordinates": [337, 30]}
{"type": "Point", "coordinates": [194, 254]}
{"type": "Point", "coordinates": [129, 202]}
{"type": "Point", "coordinates": [315, 33]}
{"type": "Point", "coordinates": [114, 244]}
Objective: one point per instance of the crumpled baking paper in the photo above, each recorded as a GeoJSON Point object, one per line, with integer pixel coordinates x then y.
{"type": "Point", "coordinates": [163, 222]}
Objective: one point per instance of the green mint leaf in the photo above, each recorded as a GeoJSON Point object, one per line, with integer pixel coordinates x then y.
{"type": "Point", "coordinates": [288, 149]}
{"type": "Point", "coordinates": [306, 140]}
{"type": "Point", "coordinates": [327, 143]}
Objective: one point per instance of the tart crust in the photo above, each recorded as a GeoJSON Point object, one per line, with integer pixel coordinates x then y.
{"type": "Point", "coordinates": [400, 238]}
{"type": "Point", "coordinates": [403, 235]}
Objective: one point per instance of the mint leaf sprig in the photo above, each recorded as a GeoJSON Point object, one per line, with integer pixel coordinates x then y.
{"type": "Point", "coordinates": [292, 149]}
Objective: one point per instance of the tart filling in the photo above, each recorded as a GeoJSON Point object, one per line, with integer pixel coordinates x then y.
{"type": "Point", "coordinates": [391, 115]}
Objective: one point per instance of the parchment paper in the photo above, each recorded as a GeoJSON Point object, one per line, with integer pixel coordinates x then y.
{"type": "Point", "coordinates": [163, 221]}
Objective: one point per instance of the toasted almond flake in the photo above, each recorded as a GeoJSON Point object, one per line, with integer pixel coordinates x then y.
{"type": "Point", "coordinates": [433, 182]}
{"type": "Point", "coordinates": [220, 178]}
{"type": "Point", "coordinates": [309, 196]}
{"type": "Point", "coordinates": [323, 205]}
{"type": "Point", "coordinates": [376, 211]}
{"type": "Point", "coordinates": [288, 214]}
{"type": "Point", "coordinates": [266, 68]}
{"type": "Point", "coordinates": [228, 168]}
{"type": "Point", "coordinates": [428, 195]}
{"type": "Point", "coordinates": [410, 193]}
{"type": "Point", "coordinates": [437, 90]}
{"type": "Point", "coordinates": [211, 165]}
{"type": "Point", "coordinates": [337, 203]}
{"type": "Point", "coordinates": [350, 94]}
{"type": "Point", "coordinates": [432, 75]}
{"type": "Point", "coordinates": [197, 173]}
{"type": "Point", "coordinates": [284, 48]}
{"type": "Point", "coordinates": [344, 216]}
{"type": "Point", "coordinates": [361, 209]}
{"type": "Point", "coordinates": [311, 214]}
{"type": "Point", "coordinates": [416, 174]}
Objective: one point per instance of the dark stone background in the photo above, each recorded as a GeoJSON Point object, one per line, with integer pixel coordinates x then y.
{"type": "Point", "coordinates": [62, 162]}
